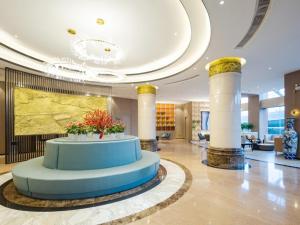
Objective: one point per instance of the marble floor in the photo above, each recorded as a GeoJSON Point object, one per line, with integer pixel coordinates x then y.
{"type": "Point", "coordinates": [270, 156]}
{"type": "Point", "coordinates": [264, 194]}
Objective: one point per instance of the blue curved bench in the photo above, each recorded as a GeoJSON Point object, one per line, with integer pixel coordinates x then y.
{"type": "Point", "coordinates": [64, 154]}
{"type": "Point", "coordinates": [33, 179]}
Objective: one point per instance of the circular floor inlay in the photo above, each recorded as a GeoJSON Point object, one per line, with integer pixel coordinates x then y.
{"type": "Point", "coordinates": [121, 210]}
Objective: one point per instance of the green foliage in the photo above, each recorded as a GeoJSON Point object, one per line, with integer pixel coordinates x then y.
{"type": "Point", "coordinates": [76, 128]}
{"type": "Point", "coordinates": [247, 126]}
{"type": "Point", "coordinates": [116, 128]}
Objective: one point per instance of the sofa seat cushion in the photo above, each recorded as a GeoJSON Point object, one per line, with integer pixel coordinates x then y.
{"type": "Point", "coordinates": [33, 179]}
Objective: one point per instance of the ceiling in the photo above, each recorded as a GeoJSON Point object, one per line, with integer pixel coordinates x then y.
{"type": "Point", "coordinates": [167, 43]}
{"type": "Point", "coordinates": [147, 40]}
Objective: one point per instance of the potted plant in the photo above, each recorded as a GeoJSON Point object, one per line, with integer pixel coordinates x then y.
{"type": "Point", "coordinates": [76, 130]}
{"type": "Point", "coordinates": [250, 126]}
{"type": "Point", "coordinates": [92, 132]}
{"type": "Point", "coordinates": [118, 129]}
{"type": "Point", "coordinates": [99, 120]}
{"type": "Point", "coordinates": [247, 126]}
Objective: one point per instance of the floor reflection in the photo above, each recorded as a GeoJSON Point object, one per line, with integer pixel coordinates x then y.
{"type": "Point", "coordinates": [275, 176]}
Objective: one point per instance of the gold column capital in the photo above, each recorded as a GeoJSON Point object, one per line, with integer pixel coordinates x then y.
{"type": "Point", "coordinates": [225, 65]}
{"type": "Point", "coordinates": [146, 89]}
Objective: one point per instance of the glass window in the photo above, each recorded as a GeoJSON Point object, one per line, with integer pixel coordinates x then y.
{"type": "Point", "coordinates": [282, 92]}
{"type": "Point", "coordinates": [244, 116]}
{"type": "Point", "coordinates": [276, 120]}
{"type": "Point", "coordinates": [244, 100]}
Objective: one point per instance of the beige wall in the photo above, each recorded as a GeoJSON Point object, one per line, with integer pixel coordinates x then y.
{"type": "Point", "coordinates": [2, 74]}
{"type": "Point", "coordinates": [127, 111]}
{"type": "Point", "coordinates": [2, 118]}
{"type": "Point", "coordinates": [197, 107]}
{"type": "Point", "coordinates": [187, 111]}
{"type": "Point", "coordinates": [253, 111]}
{"type": "Point", "coordinates": [179, 121]}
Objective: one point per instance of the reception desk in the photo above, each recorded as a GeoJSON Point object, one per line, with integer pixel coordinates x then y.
{"type": "Point", "coordinates": [81, 169]}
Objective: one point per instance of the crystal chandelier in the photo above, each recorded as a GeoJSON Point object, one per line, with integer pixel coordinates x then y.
{"type": "Point", "coordinates": [97, 51]}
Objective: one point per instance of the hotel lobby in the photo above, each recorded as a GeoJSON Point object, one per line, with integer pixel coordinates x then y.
{"type": "Point", "coordinates": [162, 112]}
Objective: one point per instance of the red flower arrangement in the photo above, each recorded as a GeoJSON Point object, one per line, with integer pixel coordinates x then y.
{"type": "Point", "coordinates": [99, 119]}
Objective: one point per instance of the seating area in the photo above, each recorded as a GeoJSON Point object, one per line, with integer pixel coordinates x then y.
{"type": "Point", "coordinates": [81, 170]}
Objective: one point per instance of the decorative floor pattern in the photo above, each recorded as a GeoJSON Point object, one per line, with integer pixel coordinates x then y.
{"type": "Point", "coordinates": [175, 184]}
{"type": "Point", "coordinates": [9, 197]}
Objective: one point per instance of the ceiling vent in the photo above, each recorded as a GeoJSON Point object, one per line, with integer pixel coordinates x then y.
{"type": "Point", "coordinates": [260, 13]}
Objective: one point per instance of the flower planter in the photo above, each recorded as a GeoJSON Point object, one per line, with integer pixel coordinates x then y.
{"type": "Point", "coordinates": [119, 135]}
{"type": "Point", "coordinates": [78, 137]}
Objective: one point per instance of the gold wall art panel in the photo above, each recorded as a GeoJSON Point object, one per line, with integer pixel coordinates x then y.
{"type": "Point", "coordinates": [40, 112]}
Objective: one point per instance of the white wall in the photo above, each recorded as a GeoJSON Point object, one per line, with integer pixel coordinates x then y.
{"type": "Point", "coordinates": [126, 110]}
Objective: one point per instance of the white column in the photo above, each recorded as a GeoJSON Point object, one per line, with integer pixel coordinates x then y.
{"type": "Point", "coordinates": [225, 110]}
{"type": "Point", "coordinates": [225, 113]}
{"type": "Point", "coordinates": [147, 116]}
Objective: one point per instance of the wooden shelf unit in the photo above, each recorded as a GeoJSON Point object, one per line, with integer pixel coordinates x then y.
{"type": "Point", "coordinates": [165, 117]}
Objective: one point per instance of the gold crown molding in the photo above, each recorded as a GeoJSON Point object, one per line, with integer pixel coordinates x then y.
{"type": "Point", "coordinates": [225, 65]}
{"type": "Point", "coordinates": [146, 89]}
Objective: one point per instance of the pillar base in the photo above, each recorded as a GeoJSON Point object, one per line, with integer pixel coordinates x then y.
{"type": "Point", "coordinates": [226, 158]}
{"type": "Point", "coordinates": [149, 145]}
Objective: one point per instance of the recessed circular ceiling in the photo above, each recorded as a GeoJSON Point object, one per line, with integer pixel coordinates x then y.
{"type": "Point", "coordinates": [144, 40]}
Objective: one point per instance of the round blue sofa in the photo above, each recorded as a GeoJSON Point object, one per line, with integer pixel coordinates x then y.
{"type": "Point", "coordinates": [73, 170]}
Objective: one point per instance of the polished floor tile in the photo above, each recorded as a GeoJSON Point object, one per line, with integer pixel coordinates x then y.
{"type": "Point", "coordinates": [263, 194]}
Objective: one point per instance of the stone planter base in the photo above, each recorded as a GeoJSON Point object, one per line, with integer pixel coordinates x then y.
{"type": "Point", "coordinates": [226, 158]}
{"type": "Point", "coordinates": [149, 145]}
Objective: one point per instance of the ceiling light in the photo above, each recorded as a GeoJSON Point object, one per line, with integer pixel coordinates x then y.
{"type": "Point", "coordinates": [207, 58]}
{"type": "Point", "coordinates": [269, 68]}
{"type": "Point", "coordinates": [100, 21]}
{"type": "Point", "coordinates": [92, 50]}
{"type": "Point", "coordinates": [71, 31]}
{"type": "Point", "coordinates": [295, 112]}
{"type": "Point", "coordinates": [58, 66]}
{"type": "Point", "coordinates": [110, 75]}
{"type": "Point", "coordinates": [221, 2]}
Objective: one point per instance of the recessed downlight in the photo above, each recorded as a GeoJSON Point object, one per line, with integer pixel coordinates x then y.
{"type": "Point", "coordinates": [100, 21]}
{"type": "Point", "coordinates": [221, 2]}
{"type": "Point", "coordinates": [72, 31]}
{"type": "Point", "coordinates": [269, 68]}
